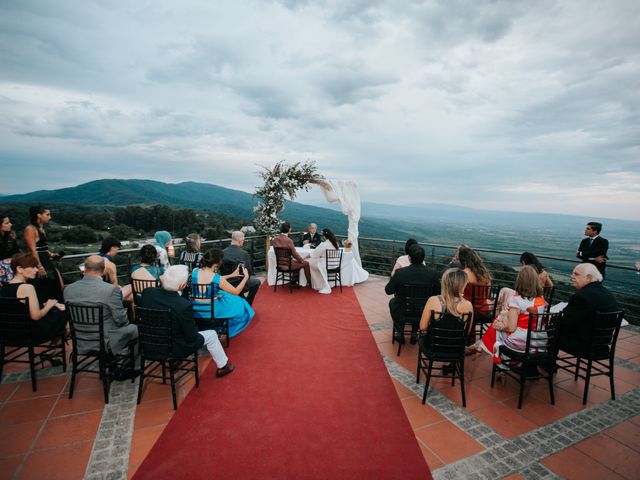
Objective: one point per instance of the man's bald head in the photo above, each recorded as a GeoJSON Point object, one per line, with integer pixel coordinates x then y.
{"type": "Point", "coordinates": [94, 265]}
{"type": "Point", "coordinates": [584, 274]}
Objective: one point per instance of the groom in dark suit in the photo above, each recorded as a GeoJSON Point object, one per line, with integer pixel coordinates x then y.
{"type": "Point", "coordinates": [593, 249]}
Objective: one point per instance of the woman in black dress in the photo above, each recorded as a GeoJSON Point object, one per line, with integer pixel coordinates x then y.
{"type": "Point", "coordinates": [48, 320]}
{"type": "Point", "coordinates": [48, 281]}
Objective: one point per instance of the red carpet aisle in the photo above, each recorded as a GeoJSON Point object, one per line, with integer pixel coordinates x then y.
{"type": "Point", "coordinates": [310, 399]}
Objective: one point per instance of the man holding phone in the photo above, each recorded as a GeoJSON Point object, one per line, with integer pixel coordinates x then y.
{"type": "Point", "coordinates": [235, 255]}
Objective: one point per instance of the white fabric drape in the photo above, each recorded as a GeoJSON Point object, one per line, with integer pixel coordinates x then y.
{"type": "Point", "coordinates": [347, 194]}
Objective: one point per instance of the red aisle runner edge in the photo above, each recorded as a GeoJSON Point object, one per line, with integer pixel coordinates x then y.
{"type": "Point", "coordinates": [310, 398]}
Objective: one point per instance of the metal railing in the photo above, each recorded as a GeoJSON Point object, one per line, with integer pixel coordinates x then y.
{"type": "Point", "coordinates": [379, 255]}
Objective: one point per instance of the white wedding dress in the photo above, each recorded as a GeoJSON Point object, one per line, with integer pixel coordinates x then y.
{"type": "Point", "coordinates": [317, 262]}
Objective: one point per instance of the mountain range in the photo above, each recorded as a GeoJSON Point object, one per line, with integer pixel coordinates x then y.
{"type": "Point", "coordinates": [436, 223]}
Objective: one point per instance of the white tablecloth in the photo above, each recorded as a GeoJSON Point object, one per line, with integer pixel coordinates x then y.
{"type": "Point", "coordinates": [350, 271]}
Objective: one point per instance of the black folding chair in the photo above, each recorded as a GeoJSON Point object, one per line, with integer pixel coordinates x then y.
{"type": "Point", "coordinates": [155, 329]}
{"type": "Point", "coordinates": [283, 269]}
{"type": "Point", "coordinates": [203, 293]}
{"type": "Point", "coordinates": [413, 298]}
{"type": "Point", "coordinates": [540, 351]}
{"type": "Point", "coordinates": [138, 286]}
{"type": "Point", "coordinates": [87, 326]}
{"type": "Point", "coordinates": [484, 299]}
{"type": "Point", "coordinates": [599, 352]}
{"type": "Point", "coordinates": [333, 260]}
{"type": "Point", "coordinates": [443, 342]}
{"type": "Point", "coordinates": [17, 334]}
{"type": "Point", "coordinates": [547, 293]}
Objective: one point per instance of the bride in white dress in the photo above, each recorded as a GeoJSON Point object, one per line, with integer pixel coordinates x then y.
{"type": "Point", "coordinates": [319, 280]}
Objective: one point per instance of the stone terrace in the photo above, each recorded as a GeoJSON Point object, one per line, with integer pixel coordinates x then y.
{"type": "Point", "coordinates": [46, 435]}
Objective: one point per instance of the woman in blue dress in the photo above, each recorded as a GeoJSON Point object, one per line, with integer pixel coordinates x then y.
{"type": "Point", "coordinates": [227, 300]}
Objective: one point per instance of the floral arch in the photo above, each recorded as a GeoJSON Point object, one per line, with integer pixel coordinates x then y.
{"type": "Point", "coordinates": [286, 180]}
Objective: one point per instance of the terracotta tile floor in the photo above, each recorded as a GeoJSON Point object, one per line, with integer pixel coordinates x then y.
{"type": "Point", "coordinates": [46, 435]}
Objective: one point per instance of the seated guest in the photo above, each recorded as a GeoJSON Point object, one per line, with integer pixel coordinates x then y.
{"type": "Point", "coordinates": [48, 321]}
{"type": "Point", "coordinates": [162, 244]}
{"type": "Point", "coordinates": [455, 260]}
{"type": "Point", "coordinates": [227, 303]}
{"type": "Point", "coordinates": [108, 250]}
{"type": "Point", "coordinates": [311, 237]}
{"type": "Point", "coordinates": [186, 338]}
{"type": "Point", "coordinates": [510, 328]}
{"type": "Point", "coordinates": [403, 260]}
{"type": "Point", "coordinates": [8, 248]}
{"type": "Point", "coordinates": [147, 269]}
{"type": "Point", "coordinates": [192, 255]}
{"type": "Point", "coordinates": [525, 259]}
{"type": "Point", "coordinates": [235, 255]}
{"type": "Point", "coordinates": [92, 290]}
{"type": "Point", "coordinates": [317, 262]}
{"type": "Point", "coordinates": [579, 315]}
{"type": "Point", "coordinates": [416, 274]}
{"type": "Point", "coordinates": [450, 301]}
{"type": "Point", "coordinates": [283, 241]}
{"type": "Point", "coordinates": [477, 273]}
{"type": "Point", "coordinates": [528, 258]}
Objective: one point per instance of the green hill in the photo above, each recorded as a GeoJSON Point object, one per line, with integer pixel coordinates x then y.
{"type": "Point", "coordinates": [198, 196]}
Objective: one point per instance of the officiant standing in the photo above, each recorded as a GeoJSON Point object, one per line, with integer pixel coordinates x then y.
{"type": "Point", "coordinates": [311, 237]}
{"type": "Point", "coordinates": [593, 249]}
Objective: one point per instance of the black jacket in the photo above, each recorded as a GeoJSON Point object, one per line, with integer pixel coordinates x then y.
{"type": "Point", "coordinates": [598, 247]}
{"type": "Point", "coordinates": [579, 315]}
{"type": "Point", "coordinates": [233, 255]}
{"type": "Point", "coordinates": [186, 338]}
{"type": "Point", "coordinates": [315, 239]}
{"type": "Point", "coordinates": [416, 274]}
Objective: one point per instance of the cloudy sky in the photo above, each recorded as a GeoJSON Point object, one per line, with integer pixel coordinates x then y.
{"type": "Point", "coordinates": [509, 105]}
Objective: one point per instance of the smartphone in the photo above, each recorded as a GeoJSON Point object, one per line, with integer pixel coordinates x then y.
{"type": "Point", "coordinates": [241, 268]}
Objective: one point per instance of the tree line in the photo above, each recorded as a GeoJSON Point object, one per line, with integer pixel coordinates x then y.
{"type": "Point", "coordinates": [88, 224]}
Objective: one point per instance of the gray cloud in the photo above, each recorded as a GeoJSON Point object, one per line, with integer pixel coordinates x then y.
{"type": "Point", "coordinates": [479, 102]}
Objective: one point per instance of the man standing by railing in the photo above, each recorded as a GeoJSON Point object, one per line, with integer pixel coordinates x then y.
{"type": "Point", "coordinates": [593, 249]}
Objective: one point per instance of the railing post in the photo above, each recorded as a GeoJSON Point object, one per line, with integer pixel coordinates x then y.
{"type": "Point", "coordinates": [433, 256]}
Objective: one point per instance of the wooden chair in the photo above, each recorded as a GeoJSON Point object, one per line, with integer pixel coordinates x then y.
{"type": "Point", "coordinates": [547, 293]}
{"type": "Point", "coordinates": [283, 269]}
{"type": "Point", "coordinates": [413, 298]}
{"type": "Point", "coordinates": [484, 299]}
{"type": "Point", "coordinates": [16, 333]}
{"type": "Point", "coordinates": [333, 261]}
{"type": "Point", "coordinates": [87, 326]}
{"type": "Point", "coordinates": [443, 342]}
{"type": "Point", "coordinates": [540, 351]}
{"type": "Point", "coordinates": [203, 293]}
{"type": "Point", "coordinates": [599, 353]}
{"type": "Point", "coordinates": [155, 329]}
{"type": "Point", "coordinates": [138, 286]}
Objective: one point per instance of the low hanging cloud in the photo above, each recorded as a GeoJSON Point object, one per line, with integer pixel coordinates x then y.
{"type": "Point", "coordinates": [490, 103]}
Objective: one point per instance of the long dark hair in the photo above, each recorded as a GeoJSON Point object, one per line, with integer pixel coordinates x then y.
{"type": "Point", "coordinates": [212, 257]}
{"type": "Point", "coordinates": [529, 258]}
{"type": "Point", "coordinates": [470, 259]}
{"type": "Point", "coordinates": [328, 234]}
{"type": "Point", "coordinates": [34, 212]}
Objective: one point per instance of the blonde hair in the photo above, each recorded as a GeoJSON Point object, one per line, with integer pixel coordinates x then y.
{"type": "Point", "coordinates": [452, 285]}
{"type": "Point", "coordinates": [528, 284]}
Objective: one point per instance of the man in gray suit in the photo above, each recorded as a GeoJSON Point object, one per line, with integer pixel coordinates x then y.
{"type": "Point", "coordinates": [92, 290]}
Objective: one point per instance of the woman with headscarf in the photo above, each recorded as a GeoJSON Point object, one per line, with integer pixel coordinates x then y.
{"type": "Point", "coordinates": [163, 240]}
